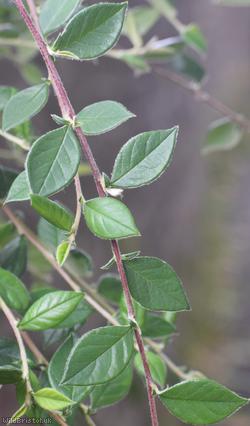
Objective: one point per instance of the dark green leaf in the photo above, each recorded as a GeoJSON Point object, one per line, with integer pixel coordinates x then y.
{"type": "Point", "coordinates": [24, 105]}
{"type": "Point", "coordinates": [201, 402]}
{"type": "Point", "coordinates": [113, 391]}
{"type": "Point", "coordinates": [53, 161]}
{"type": "Point", "coordinates": [79, 264]}
{"type": "Point", "coordinates": [51, 399]}
{"type": "Point", "coordinates": [110, 287]}
{"type": "Point", "coordinates": [109, 219]}
{"type": "Point", "coordinates": [102, 117]}
{"type": "Point", "coordinates": [56, 371]}
{"type": "Point", "coordinates": [51, 309]}
{"type": "Point", "coordinates": [49, 234]}
{"type": "Point", "coordinates": [7, 231]}
{"type": "Point", "coordinates": [52, 212]}
{"type": "Point", "coordinates": [19, 190]}
{"type": "Point", "coordinates": [10, 353]}
{"type": "Point", "coordinates": [187, 66]}
{"type": "Point", "coordinates": [78, 317]}
{"type": "Point", "coordinates": [54, 13]}
{"type": "Point", "coordinates": [144, 158]}
{"type": "Point", "coordinates": [7, 177]}
{"type": "Point", "coordinates": [155, 285]}
{"type": "Point", "coordinates": [157, 367]}
{"type": "Point", "coordinates": [13, 291]}
{"type": "Point", "coordinates": [222, 135]}
{"type": "Point", "coordinates": [99, 356]}
{"type": "Point", "coordinates": [155, 326]}
{"type": "Point", "coordinates": [13, 257]}
{"type": "Point", "coordinates": [9, 374]}
{"type": "Point", "coordinates": [91, 32]}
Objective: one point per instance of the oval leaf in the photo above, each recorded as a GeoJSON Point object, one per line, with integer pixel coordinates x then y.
{"type": "Point", "coordinates": [144, 158]}
{"type": "Point", "coordinates": [53, 161]}
{"type": "Point", "coordinates": [109, 219]}
{"type": "Point", "coordinates": [52, 212]}
{"type": "Point", "coordinates": [201, 402]}
{"type": "Point", "coordinates": [19, 190]}
{"type": "Point", "coordinates": [62, 11]}
{"type": "Point", "coordinates": [99, 356]}
{"type": "Point", "coordinates": [24, 105]}
{"type": "Point", "coordinates": [51, 309]}
{"type": "Point", "coordinates": [222, 135]}
{"type": "Point", "coordinates": [157, 367]}
{"type": "Point", "coordinates": [56, 371]}
{"type": "Point", "coordinates": [102, 117]}
{"type": "Point", "coordinates": [13, 291]}
{"type": "Point", "coordinates": [92, 32]}
{"type": "Point", "coordinates": [51, 399]}
{"type": "Point", "coordinates": [62, 252]}
{"type": "Point", "coordinates": [155, 285]}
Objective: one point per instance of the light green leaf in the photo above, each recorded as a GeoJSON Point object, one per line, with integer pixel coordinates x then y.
{"type": "Point", "coordinates": [7, 177]}
{"type": "Point", "coordinates": [144, 19]}
{"type": "Point", "coordinates": [102, 117]}
{"type": "Point", "coordinates": [99, 356]}
{"type": "Point", "coordinates": [54, 13]}
{"type": "Point", "coordinates": [62, 252]}
{"type": "Point", "coordinates": [51, 399]}
{"type": "Point", "coordinates": [165, 8]}
{"type": "Point", "coordinates": [109, 286]}
{"type": "Point", "coordinates": [201, 402]}
{"type": "Point", "coordinates": [112, 392]}
{"type": "Point", "coordinates": [53, 161]}
{"type": "Point", "coordinates": [51, 309]}
{"type": "Point", "coordinates": [109, 219]}
{"type": "Point", "coordinates": [222, 135]}
{"type": "Point", "coordinates": [52, 212]}
{"type": "Point", "coordinates": [144, 158]}
{"type": "Point", "coordinates": [155, 285]}
{"type": "Point", "coordinates": [19, 190]}
{"type": "Point", "coordinates": [13, 256]}
{"type": "Point", "coordinates": [92, 31]}
{"type": "Point", "coordinates": [13, 291]}
{"type": "Point", "coordinates": [155, 326]}
{"type": "Point", "coordinates": [56, 371]}
{"type": "Point", "coordinates": [193, 36]}
{"type": "Point", "coordinates": [24, 105]}
{"type": "Point", "coordinates": [157, 367]}
{"type": "Point", "coordinates": [5, 94]}
{"type": "Point", "coordinates": [19, 413]}
{"type": "Point", "coordinates": [78, 317]}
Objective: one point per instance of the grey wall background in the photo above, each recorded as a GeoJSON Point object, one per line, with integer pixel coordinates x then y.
{"type": "Point", "coordinates": [197, 216]}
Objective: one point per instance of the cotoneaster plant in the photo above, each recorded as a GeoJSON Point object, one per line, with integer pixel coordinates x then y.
{"type": "Point", "coordinates": [91, 371]}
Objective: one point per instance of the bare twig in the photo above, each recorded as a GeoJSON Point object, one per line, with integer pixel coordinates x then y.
{"type": "Point", "coordinates": [14, 139]}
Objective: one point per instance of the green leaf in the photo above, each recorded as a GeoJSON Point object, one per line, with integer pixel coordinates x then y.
{"type": "Point", "coordinates": [109, 219]}
{"type": "Point", "coordinates": [19, 190]}
{"type": "Point", "coordinates": [7, 177]}
{"type": "Point", "coordinates": [155, 326]}
{"type": "Point", "coordinates": [222, 135]}
{"type": "Point", "coordinates": [56, 371]}
{"type": "Point", "coordinates": [51, 399]}
{"type": "Point", "coordinates": [53, 161]}
{"type": "Point", "coordinates": [10, 374]}
{"type": "Point", "coordinates": [109, 286]}
{"type": "Point", "coordinates": [10, 353]}
{"type": "Point", "coordinates": [193, 36]}
{"type": "Point", "coordinates": [5, 94]}
{"type": "Point", "coordinates": [79, 264]}
{"type": "Point", "coordinates": [201, 402]}
{"type": "Point", "coordinates": [62, 252]}
{"type": "Point", "coordinates": [7, 231]}
{"type": "Point", "coordinates": [13, 256]}
{"type": "Point", "coordinates": [155, 285]}
{"type": "Point", "coordinates": [62, 11]}
{"type": "Point", "coordinates": [19, 413]}
{"type": "Point", "coordinates": [112, 392]}
{"type": "Point", "coordinates": [92, 31]}
{"type": "Point", "coordinates": [165, 8]}
{"type": "Point", "coordinates": [144, 18]}
{"type": "Point", "coordinates": [50, 235]}
{"type": "Point", "coordinates": [31, 73]}
{"type": "Point", "coordinates": [144, 158]}
{"type": "Point", "coordinates": [13, 291]}
{"type": "Point", "coordinates": [187, 66]}
{"type": "Point", "coordinates": [52, 212]}
{"type": "Point", "coordinates": [102, 117]}
{"type": "Point", "coordinates": [51, 309]}
{"type": "Point", "coordinates": [157, 367]}
{"type": "Point", "coordinates": [78, 317]}
{"type": "Point", "coordinates": [99, 356]}
{"type": "Point", "coordinates": [24, 105]}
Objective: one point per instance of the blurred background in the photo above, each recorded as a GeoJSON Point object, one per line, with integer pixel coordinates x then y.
{"type": "Point", "coordinates": [196, 217]}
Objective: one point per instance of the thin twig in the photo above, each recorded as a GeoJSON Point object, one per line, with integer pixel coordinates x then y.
{"type": "Point", "coordinates": [69, 113]}
{"type": "Point", "coordinates": [205, 97]}
{"type": "Point", "coordinates": [14, 139]}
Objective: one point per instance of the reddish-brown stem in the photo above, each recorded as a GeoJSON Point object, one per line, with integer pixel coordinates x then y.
{"type": "Point", "coordinates": [69, 113]}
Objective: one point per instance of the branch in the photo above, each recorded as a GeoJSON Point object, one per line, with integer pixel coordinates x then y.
{"type": "Point", "coordinates": [14, 139]}
{"type": "Point", "coordinates": [203, 96]}
{"type": "Point", "coordinates": [69, 113]}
